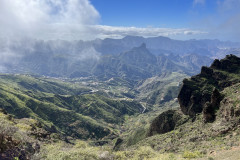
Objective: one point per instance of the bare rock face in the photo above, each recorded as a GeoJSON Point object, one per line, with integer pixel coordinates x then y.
{"type": "Point", "coordinates": [229, 109]}
{"type": "Point", "coordinates": [117, 144]}
{"type": "Point", "coordinates": [211, 107]}
{"type": "Point", "coordinates": [165, 122]}
{"type": "Point", "coordinates": [191, 98]}
{"type": "Point", "coordinates": [216, 98]}
{"type": "Point", "coordinates": [205, 87]}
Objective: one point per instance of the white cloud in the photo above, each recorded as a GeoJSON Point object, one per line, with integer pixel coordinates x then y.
{"type": "Point", "coordinates": [228, 5]}
{"type": "Point", "coordinates": [222, 23]}
{"type": "Point", "coordinates": [119, 32]}
{"type": "Point", "coordinates": [89, 32]}
{"type": "Point", "coordinates": [196, 2]}
{"type": "Point", "coordinates": [39, 18]}
{"type": "Point", "coordinates": [225, 23]}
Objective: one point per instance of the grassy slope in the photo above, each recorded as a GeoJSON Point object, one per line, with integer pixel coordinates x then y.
{"type": "Point", "coordinates": [157, 90]}
{"type": "Point", "coordinates": [21, 105]}
{"type": "Point", "coordinates": [56, 103]}
{"type": "Point", "coordinates": [19, 133]}
{"type": "Point", "coordinates": [69, 107]}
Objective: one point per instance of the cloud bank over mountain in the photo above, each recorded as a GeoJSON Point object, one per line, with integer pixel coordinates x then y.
{"type": "Point", "coordinates": [119, 32]}
{"type": "Point", "coordinates": [45, 18]}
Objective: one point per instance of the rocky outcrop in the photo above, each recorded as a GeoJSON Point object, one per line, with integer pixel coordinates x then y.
{"type": "Point", "coordinates": [15, 144]}
{"type": "Point", "coordinates": [211, 107]}
{"type": "Point", "coordinates": [201, 94]}
{"type": "Point", "coordinates": [229, 64]}
{"type": "Point", "coordinates": [117, 144]}
{"type": "Point", "coordinates": [230, 105]}
{"type": "Point", "coordinates": [165, 122]}
{"type": "Point", "coordinates": [11, 148]}
{"type": "Point", "coordinates": [198, 92]}
{"type": "Point", "coordinates": [193, 97]}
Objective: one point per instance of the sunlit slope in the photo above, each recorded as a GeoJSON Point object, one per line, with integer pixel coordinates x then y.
{"type": "Point", "coordinates": [57, 104]}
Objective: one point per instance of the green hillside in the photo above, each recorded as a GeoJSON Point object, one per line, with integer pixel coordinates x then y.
{"type": "Point", "coordinates": [59, 105]}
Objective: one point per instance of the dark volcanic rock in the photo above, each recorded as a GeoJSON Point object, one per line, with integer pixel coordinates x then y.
{"type": "Point", "coordinates": [216, 98]}
{"type": "Point", "coordinates": [210, 108]}
{"type": "Point", "coordinates": [206, 71]}
{"type": "Point", "coordinates": [117, 144]}
{"type": "Point", "coordinates": [199, 89]}
{"type": "Point", "coordinates": [165, 122]}
{"type": "Point", "coordinates": [192, 97]}
{"type": "Point", "coordinates": [230, 64]}
{"type": "Point", "coordinates": [11, 148]}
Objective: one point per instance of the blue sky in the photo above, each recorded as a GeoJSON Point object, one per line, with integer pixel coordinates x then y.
{"type": "Point", "coordinates": [155, 13]}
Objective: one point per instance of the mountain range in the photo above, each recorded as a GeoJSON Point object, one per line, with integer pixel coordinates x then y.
{"type": "Point", "coordinates": [130, 57]}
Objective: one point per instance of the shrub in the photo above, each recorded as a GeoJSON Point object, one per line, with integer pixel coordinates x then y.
{"type": "Point", "coordinates": [189, 154]}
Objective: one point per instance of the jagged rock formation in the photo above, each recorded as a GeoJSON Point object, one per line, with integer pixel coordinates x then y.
{"type": "Point", "coordinates": [230, 64]}
{"type": "Point", "coordinates": [210, 107]}
{"type": "Point", "coordinates": [139, 64]}
{"type": "Point", "coordinates": [165, 122]}
{"type": "Point", "coordinates": [201, 94]}
{"type": "Point", "coordinates": [117, 144]}
{"type": "Point", "coordinates": [202, 88]}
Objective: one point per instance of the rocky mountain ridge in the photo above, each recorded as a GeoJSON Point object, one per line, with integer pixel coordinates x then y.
{"type": "Point", "coordinates": [58, 58]}
{"type": "Point", "coordinates": [203, 87]}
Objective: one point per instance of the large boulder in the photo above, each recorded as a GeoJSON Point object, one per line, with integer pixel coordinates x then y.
{"type": "Point", "coordinates": [165, 122]}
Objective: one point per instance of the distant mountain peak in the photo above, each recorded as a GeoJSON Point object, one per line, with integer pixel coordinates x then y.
{"type": "Point", "coordinates": [138, 56]}
{"type": "Point", "coordinates": [143, 45]}
{"type": "Point", "coordinates": [132, 37]}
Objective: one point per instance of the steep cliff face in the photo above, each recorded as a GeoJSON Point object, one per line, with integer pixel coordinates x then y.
{"type": "Point", "coordinates": [200, 92]}
{"type": "Point", "coordinates": [210, 107]}
{"type": "Point", "coordinates": [165, 122]}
